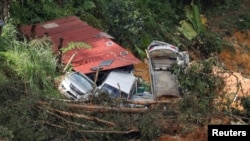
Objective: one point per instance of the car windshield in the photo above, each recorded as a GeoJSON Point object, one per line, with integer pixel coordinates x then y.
{"type": "Point", "coordinates": [113, 92]}
{"type": "Point", "coordinates": [82, 80]}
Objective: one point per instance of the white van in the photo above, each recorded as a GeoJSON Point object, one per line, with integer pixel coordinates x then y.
{"type": "Point", "coordinates": [119, 84]}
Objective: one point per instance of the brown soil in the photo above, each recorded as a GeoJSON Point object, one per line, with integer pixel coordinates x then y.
{"type": "Point", "coordinates": [142, 71]}
{"type": "Point", "coordinates": [238, 61]}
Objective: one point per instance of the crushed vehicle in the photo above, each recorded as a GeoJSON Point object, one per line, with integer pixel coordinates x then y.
{"type": "Point", "coordinates": [123, 84]}
{"type": "Point", "coordinates": [118, 84]}
{"type": "Point", "coordinates": [76, 86]}
{"type": "Point", "coordinates": [161, 57]}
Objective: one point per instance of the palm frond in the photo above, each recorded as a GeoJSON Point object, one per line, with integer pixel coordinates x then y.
{"type": "Point", "coordinates": [140, 52]}
{"type": "Point", "coordinates": [41, 42]}
{"type": "Point", "coordinates": [75, 45]}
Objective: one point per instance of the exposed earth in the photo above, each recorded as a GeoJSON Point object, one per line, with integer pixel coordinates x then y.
{"type": "Point", "coordinates": [235, 73]}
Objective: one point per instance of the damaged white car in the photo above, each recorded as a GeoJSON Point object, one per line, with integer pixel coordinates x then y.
{"type": "Point", "coordinates": [161, 57]}
{"type": "Point", "coordinates": [76, 86]}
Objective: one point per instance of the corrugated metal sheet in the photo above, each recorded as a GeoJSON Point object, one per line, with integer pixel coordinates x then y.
{"type": "Point", "coordinates": [72, 29]}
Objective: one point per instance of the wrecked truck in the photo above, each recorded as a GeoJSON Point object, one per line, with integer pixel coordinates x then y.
{"type": "Point", "coordinates": [161, 57]}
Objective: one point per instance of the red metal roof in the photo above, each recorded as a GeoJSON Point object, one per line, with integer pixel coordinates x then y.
{"type": "Point", "coordinates": [72, 29]}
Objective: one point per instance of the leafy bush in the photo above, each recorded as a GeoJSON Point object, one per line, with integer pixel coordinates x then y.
{"type": "Point", "coordinates": [149, 132]}
{"type": "Point", "coordinates": [215, 5]}
{"type": "Point", "coordinates": [21, 12]}
{"type": "Point", "coordinates": [243, 21]}
{"type": "Point", "coordinates": [199, 86]}
{"type": "Point", "coordinates": [246, 105]}
{"type": "Point", "coordinates": [5, 134]}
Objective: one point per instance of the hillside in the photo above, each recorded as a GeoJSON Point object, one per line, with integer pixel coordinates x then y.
{"type": "Point", "coordinates": [32, 108]}
{"type": "Point", "coordinates": [234, 72]}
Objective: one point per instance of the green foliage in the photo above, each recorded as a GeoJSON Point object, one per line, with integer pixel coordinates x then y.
{"type": "Point", "coordinates": [187, 30]}
{"type": "Point", "coordinates": [239, 21]}
{"type": "Point", "coordinates": [194, 16]}
{"type": "Point", "coordinates": [41, 11]}
{"type": "Point", "coordinates": [122, 15]}
{"type": "Point", "coordinates": [20, 121]}
{"type": "Point", "coordinates": [91, 20]}
{"type": "Point", "coordinates": [131, 22]}
{"type": "Point", "coordinates": [41, 42]}
{"type": "Point", "coordinates": [88, 5]}
{"type": "Point", "coordinates": [134, 24]}
{"type": "Point", "coordinates": [242, 22]}
{"type": "Point", "coordinates": [147, 133]}
{"type": "Point", "coordinates": [215, 5]}
{"type": "Point", "coordinates": [193, 26]}
{"type": "Point", "coordinates": [3, 78]}
{"type": "Point", "coordinates": [33, 62]}
{"type": "Point", "coordinates": [199, 86]}
{"type": "Point", "coordinates": [212, 44]}
{"type": "Point", "coordinates": [103, 99]}
{"type": "Point", "coordinates": [9, 32]}
{"type": "Point", "coordinates": [246, 105]}
{"type": "Point", "coordinates": [35, 66]}
{"type": "Point", "coordinates": [75, 45]}
{"type": "Point", "coordinates": [140, 52]}
{"type": "Point", "coordinates": [126, 121]}
{"type": "Point", "coordinates": [208, 44]}
{"type": "Point", "coordinates": [5, 134]}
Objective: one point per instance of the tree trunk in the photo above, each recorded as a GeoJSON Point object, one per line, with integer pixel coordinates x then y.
{"type": "Point", "coordinates": [82, 116]}
{"type": "Point", "coordinates": [104, 109]}
{"type": "Point", "coordinates": [4, 7]}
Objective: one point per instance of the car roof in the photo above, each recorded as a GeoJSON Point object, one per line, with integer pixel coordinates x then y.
{"type": "Point", "coordinates": [84, 84]}
{"type": "Point", "coordinates": [125, 80]}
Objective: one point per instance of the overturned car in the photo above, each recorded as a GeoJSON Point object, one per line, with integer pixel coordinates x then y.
{"type": "Point", "coordinates": [161, 57]}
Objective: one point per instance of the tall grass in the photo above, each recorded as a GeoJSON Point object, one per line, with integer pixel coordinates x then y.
{"type": "Point", "coordinates": [32, 61]}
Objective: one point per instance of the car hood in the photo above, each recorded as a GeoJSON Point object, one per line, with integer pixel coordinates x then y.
{"type": "Point", "coordinates": [79, 86]}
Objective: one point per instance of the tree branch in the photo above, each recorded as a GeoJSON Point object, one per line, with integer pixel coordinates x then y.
{"type": "Point", "coordinates": [83, 117]}
{"type": "Point", "coordinates": [67, 121]}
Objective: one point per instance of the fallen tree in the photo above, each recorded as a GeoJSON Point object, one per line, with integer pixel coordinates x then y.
{"type": "Point", "coordinates": [105, 108]}
{"type": "Point", "coordinates": [82, 116]}
{"type": "Point", "coordinates": [163, 100]}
